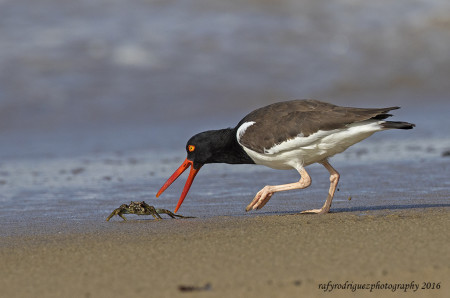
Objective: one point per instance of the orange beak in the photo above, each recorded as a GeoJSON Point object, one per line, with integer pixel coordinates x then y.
{"type": "Point", "coordinates": [186, 164]}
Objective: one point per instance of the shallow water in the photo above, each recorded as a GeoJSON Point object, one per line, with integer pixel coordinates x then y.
{"type": "Point", "coordinates": [97, 100]}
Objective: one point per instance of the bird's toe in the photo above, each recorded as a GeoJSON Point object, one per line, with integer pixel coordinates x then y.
{"type": "Point", "coordinates": [316, 211]}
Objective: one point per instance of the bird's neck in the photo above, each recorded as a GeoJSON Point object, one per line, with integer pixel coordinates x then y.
{"type": "Point", "coordinates": [227, 149]}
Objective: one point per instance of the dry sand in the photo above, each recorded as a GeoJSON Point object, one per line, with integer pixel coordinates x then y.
{"type": "Point", "coordinates": [254, 256]}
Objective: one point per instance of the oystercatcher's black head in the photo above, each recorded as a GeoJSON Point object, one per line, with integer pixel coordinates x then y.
{"type": "Point", "coordinates": [214, 146]}
{"type": "Point", "coordinates": [200, 148]}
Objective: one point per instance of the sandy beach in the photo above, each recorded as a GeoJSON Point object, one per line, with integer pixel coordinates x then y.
{"type": "Point", "coordinates": [256, 256]}
{"type": "Point", "coordinates": [98, 99]}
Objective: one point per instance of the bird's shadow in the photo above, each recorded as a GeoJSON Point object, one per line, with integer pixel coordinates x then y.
{"type": "Point", "coordinates": [367, 208]}
{"type": "Point", "coordinates": [388, 207]}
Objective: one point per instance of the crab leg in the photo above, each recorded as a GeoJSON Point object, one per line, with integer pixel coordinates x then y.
{"type": "Point", "coordinates": [116, 212]}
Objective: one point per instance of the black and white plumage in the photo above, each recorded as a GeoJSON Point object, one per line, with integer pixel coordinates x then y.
{"type": "Point", "coordinates": [286, 135]}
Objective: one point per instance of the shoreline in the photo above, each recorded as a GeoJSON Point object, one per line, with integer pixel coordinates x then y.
{"type": "Point", "coordinates": [268, 255]}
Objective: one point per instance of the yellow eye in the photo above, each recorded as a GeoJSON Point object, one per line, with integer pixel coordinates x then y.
{"type": "Point", "coordinates": [191, 148]}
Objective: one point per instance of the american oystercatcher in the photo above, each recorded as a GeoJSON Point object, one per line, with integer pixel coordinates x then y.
{"type": "Point", "coordinates": [285, 135]}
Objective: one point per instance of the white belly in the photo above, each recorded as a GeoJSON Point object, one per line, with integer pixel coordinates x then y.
{"type": "Point", "coordinates": [303, 151]}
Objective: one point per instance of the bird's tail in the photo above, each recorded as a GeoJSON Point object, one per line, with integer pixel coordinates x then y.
{"type": "Point", "coordinates": [397, 125]}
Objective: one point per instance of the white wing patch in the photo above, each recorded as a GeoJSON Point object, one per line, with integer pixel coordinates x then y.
{"type": "Point", "coordinates": [299, 141]}
{"type": "Point", "coordinates": [326, 140]}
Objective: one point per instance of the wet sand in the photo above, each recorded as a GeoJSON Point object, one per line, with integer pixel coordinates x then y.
{"type": "Point", "coordinates": [231, 256]}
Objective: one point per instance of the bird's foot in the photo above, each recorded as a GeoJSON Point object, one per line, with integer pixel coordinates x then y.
{"type": "Point", "coordinates": [316, 211]}
{"type": "Point", "coordinates": [261, 198]}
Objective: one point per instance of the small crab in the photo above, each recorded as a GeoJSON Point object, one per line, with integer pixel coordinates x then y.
{"type": "Point", "coordinates": [142, 208]}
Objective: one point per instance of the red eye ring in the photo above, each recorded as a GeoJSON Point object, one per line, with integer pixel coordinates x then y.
{"type": "Point", "coordinates": [191, 148]}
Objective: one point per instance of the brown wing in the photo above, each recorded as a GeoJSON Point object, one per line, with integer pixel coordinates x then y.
{"type": "Point", "coordinates": [282, 121]}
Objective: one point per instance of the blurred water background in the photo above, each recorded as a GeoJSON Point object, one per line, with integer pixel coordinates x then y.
{"type": "Point", "coordinates": [98, 97]}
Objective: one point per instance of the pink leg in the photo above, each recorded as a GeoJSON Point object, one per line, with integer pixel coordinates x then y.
{"type": "Point", "coordinates": [264, 195]}
{"type": "Point", "coordinates": [334, 179]}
